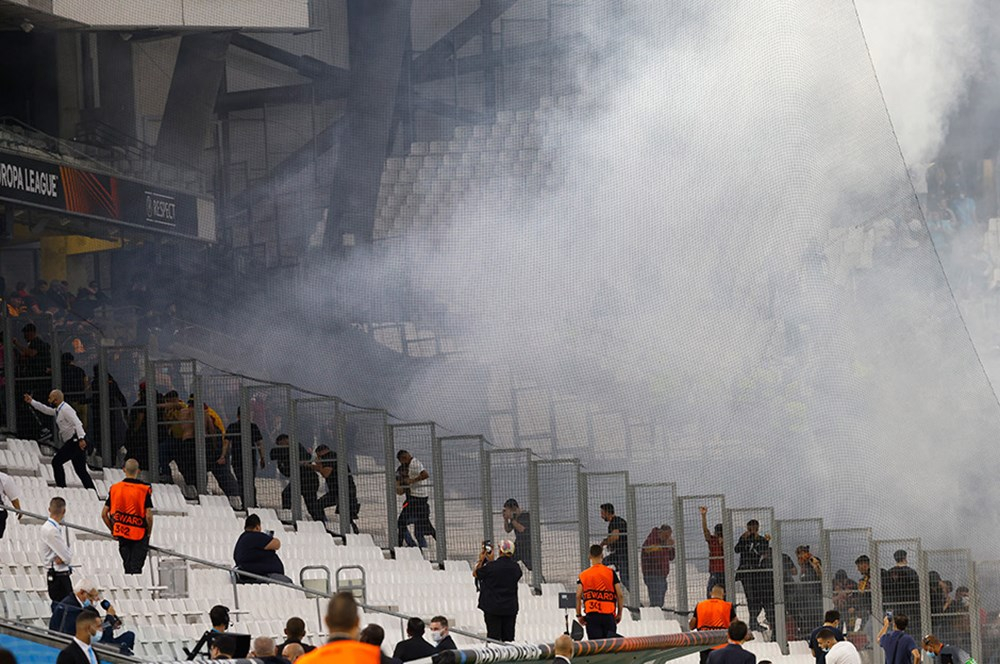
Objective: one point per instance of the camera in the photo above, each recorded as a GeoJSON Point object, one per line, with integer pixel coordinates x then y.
{"type": "Point", "coordinates": [488, 546]}
{"type": "Point", "coordinates": [888, 615]}
{"type": "Point", "coordinates": [105, 604]}
{"type": "Point", "coordinates": [270, 533]}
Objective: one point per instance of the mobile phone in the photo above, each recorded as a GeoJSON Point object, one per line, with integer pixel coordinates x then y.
{"type": "Point", "coordinates": [270, 533]}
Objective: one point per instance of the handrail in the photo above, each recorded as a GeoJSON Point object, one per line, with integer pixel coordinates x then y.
{"type": "Point", "coordinates": [235, 571]}
{"type": "Point", "coordinates": [61, 144]}
{"type": "Point", "coordinates": [42, 634]}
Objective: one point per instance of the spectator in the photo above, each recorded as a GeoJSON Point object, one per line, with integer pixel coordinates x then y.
{"type": "Point", "coordinates": [657, 551]}
{"type": "Point", "coordinates": [599, 597]}
{"type": "Point", "coordinates": [343, 623]}
{"type": "Point", "coordinates": [295, 631]}
{"type": "Point", "coordinates": [497, 581]}
{"type": "Point", "coordinates": [831, 624]}
{"type": "Point", "coordinates": [733, 652]}
{"type": "Point", "coordinates": [412, 481]}
{"type": "Point", "coordinates": [836, 650]}
{"type": "Point", "coordinates": [375, 635]}
{"type": "Point", "coordinates": [128, 515]}
{"type": "Point", "coordinates": [57, 551]}
{"type": "Point", "coordinates": [518, 521]}
{"type": "Point", "coordinates": [86, 597]}
{"type": "Point", "coordinates": [117, 415]}
{"type": "Point", "coordinates": [326, 466]}
{"type": "Point", "coordinates": [44, 297]}
{"type": "Point", "coordinates": [308, 480]}
{"type": "Point", "coordinates": [440, 636]}
{"type": "Point", "coordinates": [34, 374]}
{"type": "Point", "coordinates": [901, 588]}
{"type": "Point", "coordinates": [256, 552]}
{"type": "Point", "coordinates": [844, 592]}
{"type": "Point", "coordinates": [809, 594]}
{"type": "Point", "coordinates": [218, 615]}
{"type": "Point", "coordinates": [9, 494]}
{"type": "Point", "coordinates": [714, 613]}
{"type": "Point", "coordinates": [75, 383]}
{"type": "Point", "coordinates": [293, 652]}
{"type": "Point", "coordinates": [413, 647]}
{"type": "Point", "coordinates": [71, 436]}
{"type": "Point", "coordinates": [563, 649]}
{"type": "Point", "coordinates": [176, 436]}
{"type": "Point", "coordinates": [137, 434]}
{"type": "Point", "coordinates": [81, 650]}
{"type": "Point", "coordinates": [949, 654]}
{"type": "Point", "coordinates": [263, 649]}
{"type": "Point", "coordinates": [899, 647]}
{"type": "Point", "coordinates": [716, 556]}
{"type": "Point", "coordinates": [752, 571]}
{"type": "Point", "coordinates": [864, 591]}
{"type": "Point", "coordinates": [234, 433]}
{"type": "Point", "coordinates": [223, 647]}
{"type": "Point", "coordinates": [616, 542]}
{"type": "Point", "coordinates": [217, 451]}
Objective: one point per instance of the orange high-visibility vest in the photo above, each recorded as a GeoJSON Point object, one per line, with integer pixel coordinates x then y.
{"type": "Point", "coordinates": [598, 584]}
{"type": "Point", "coordinates": [344, 651]}
{"type": "Point", "coordinates": [128, 509]}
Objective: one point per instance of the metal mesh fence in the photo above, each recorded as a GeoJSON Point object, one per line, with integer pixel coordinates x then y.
{"type": "Point", "coordinates": [654, 514]}
{"type": "Point", "coordinates": [610, 489]}
{"type": "Point", "coordinates": [373, 460]}
{"type": "Point", "coordinates": [903, 582]}
{"type": "Point", "coordinates": [848, 583]}
{"type": "Point", "coordinates": [754, 565]}
{"type": "Point", "coordinates": [317, 434]}
{"type": "Point", "coordinates": [465, 514]}
{"type": "Point", "coordinates": [802, 558]}
{"type": "Point", "coordinates": [954, 617]}
{"type": "Point", "coordinates": [270, 410]}
{"type": "Point", "coordinates": [221, 395]}
{"type": "Point", "coordinates": [122, 423]}
{"type": "Point", "coordinates": [35, 359]}
{"type": "Point", "coordinates": [417, 512]}
{"type": "Point", "coordinates": [987, 598]}
{"type": "Point", "coordinates": [510, 479]}
{"type": "Point", "coordinates": [561, 549]}
{"type": "Point", "coordinates": [176, 433]}
{"type": "Point", "coordinates": [709, 560]}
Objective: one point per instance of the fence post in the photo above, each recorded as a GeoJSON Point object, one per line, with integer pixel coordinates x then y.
{"type": "Point", "coordinates": [294, 469]}
{"type": "Point", "coordinates": [534, 499]}
{"type": "Point", "coordinates": [343, 470]}
{"type": "Point", "coordinates": [680, 561]}
{"type": "Point", "coordinates": [152, 431]}
{"type": "Point", "coordinates": [200, 452]}
{"type": "Point", "coordinates": [875, 579]}
{"type": "Point", "coordinates": [247, 449]}
{"type": "Point", "coordinates": [581, 509]}
{"type": "Point", "coordinates": [632, 551]}
{"type": "Point", "coordinates": [392, 530]}
{"type": "Point", "coordinates": [104, 399]}
{"type": "Point", "coordinates": [437, 464]}
{"type": "Point", "coordinates": [827, 575]}
{"type": "Point", "coordinates": [777, 560]}
{"type": "Point", "coordinates": [974, 627]}
{"type": "Point", "coordinates": [486, 482]}
{"type": "Point", "coordinates": [9, 370]}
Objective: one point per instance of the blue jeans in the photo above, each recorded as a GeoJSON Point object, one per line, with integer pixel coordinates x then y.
{"type": "Point", "coordinates": [124, 641]}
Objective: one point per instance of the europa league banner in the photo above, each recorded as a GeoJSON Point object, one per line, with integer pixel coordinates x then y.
{"type": "Point", "coordinates": [75, 191]}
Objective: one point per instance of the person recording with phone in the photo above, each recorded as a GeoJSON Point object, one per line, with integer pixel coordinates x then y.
{"type": "Point", "coordinates": [497, 580]}
{"type": "Point", "coordinates": [257, 552]}
{"type": "Point", "coordinates": [86, 596]}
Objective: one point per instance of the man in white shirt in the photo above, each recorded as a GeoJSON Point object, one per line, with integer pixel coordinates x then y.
{"type": "Point", "coordinates": [837, 652]}
{"type": "Point", "coordinates": [69, 430]}
{"type": "Point", "coordinates": [413, 481]}
{"type": "Point", "coordinates": [9, 493]}
{"type": "Point", "coordinates": [56, 551]}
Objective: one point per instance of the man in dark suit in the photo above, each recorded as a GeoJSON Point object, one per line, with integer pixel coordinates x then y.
{"type": "Point", "coordinates": [734, 653]}
{"type": "Point", "coordinates": [414, 647]}
{"type": "Point", "coordinates": [80, 650]}
{"type": "Point", "coordinates": [374, 635]}
{"type": "Point", "coordinates": [440, 635]}
{"type": "Point", "coordinates": [86, 596]}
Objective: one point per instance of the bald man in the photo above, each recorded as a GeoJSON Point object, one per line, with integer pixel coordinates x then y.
{"type": "Point", "coordinates": [344, 624]}
{"type": "Point", "coordinates": [128, 514]}
{"type": "Point", "coordinates": [69, 435]}
{"type": "Point", "coordinates": [564, 649]}
{"type": "Point", "coordinates": [265, 650]}
{"type": "Point", "coordinates": [292, 651]}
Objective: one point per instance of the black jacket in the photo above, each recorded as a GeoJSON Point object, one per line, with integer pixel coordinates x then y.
{"type": "Point", "coordinates": [447, 643]}
{"type": "Point", "coordinates": [72, 654]}
{"type": "Point", "coordinates": [732, 654]}
{"type": "Point", "coordinates": [413, 648]}
{"type": "Point", "coordinates": [498, 586]}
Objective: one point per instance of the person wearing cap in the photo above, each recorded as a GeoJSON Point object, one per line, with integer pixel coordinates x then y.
{"type": "Point", "coordinates": [497, 580]}
{"type": "Point", "coordinates": [949, 654]}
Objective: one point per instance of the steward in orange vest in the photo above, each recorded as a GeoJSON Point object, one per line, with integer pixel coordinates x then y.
{"type": "Point", "coordinates": [344, 625]}
{"type": "Point", "coordinates": [714, 613]}
{"type": "Point", "coordinates": [127, 514]}
{"type": "Point", "coordinates": [599, 597]}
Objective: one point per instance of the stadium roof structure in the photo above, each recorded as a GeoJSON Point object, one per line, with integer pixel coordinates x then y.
{"type": "Point", "coordinates": [162, 16]}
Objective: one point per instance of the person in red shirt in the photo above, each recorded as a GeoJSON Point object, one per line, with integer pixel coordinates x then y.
{"type": "Point", "coordinates": [716, 556]}
{"type": "Point", "coordinates": [657, 552]}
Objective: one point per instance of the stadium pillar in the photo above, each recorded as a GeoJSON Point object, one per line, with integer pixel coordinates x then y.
{"type": "Point", "coordinates": [378, 32]}
{"type": "Point", "coordinates": [201, 62]}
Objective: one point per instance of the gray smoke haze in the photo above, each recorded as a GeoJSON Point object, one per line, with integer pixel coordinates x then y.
{"type": "Point", "coordinates": [728, 250]}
